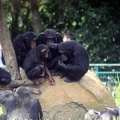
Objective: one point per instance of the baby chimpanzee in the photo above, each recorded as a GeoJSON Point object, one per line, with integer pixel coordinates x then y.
{"type": "Point", "coordinates": [35, 64]}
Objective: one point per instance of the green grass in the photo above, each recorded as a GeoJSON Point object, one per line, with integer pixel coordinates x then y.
{"type": "Point", "coordinates": [117, 95]}
{"type": "Point", "coordinates": [117, 92]}
{"type": "Point", "coordinates": [1, 112]}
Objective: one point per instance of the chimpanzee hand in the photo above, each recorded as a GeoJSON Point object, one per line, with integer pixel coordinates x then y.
{"type": "Point", "coordinates": [61, 65]}
{"type": "Point", "coordinates": [53, 46]}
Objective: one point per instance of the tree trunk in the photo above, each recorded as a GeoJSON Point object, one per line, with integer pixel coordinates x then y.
{"type": "Point", "coordinates": [15, 16]}
{"type": "Point", "coordinates": [7, 46]}
{"type": "Point", "coordinates": [35, 17]}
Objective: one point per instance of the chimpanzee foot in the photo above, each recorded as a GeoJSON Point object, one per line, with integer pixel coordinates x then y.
{"type": "Point", "coordinates": [53, 74]}
{"type": "Point", "coordinates": [60, 74]}
{"type": "Point", "coordinates": [43, 74]}
{"type": "Point", "coordinates": [67, 80]}
{"type": "Point", "coordinates": [37, 82]}
{"type": "Point", "coordinates": [41, 80]}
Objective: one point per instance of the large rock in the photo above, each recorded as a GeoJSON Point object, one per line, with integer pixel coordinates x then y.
{"type": "Point", "coordinates": [70, 101]}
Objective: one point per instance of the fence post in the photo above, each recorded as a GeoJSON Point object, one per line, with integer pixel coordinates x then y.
{"type": "Point", "coordinates": [97, 70]}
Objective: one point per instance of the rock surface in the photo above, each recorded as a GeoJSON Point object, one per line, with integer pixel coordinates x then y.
{"type": "Point", "coordinates": [70, 101]}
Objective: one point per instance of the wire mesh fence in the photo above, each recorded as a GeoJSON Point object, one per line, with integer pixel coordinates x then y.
{"type": "Point", "coordinates": [109, 74]}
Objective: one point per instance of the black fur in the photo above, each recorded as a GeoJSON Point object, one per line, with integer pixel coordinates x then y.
{"type": "Point", "coordinates": [74, 61]}
{"type": "Point", "coordinates": [20, 105]}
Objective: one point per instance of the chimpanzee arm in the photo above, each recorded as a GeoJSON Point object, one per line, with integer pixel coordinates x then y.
{"type": "Point", "coordinates": [69, 67]}
{"type": "Point", "coordinates": [73, 72]}
{"type": "Point", "coordinates": [50, 78]}
{"type": "Point", "coordinates": [38, 114]}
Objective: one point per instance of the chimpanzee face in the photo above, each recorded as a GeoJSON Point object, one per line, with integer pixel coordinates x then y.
{"type": "Point", "coordinates": [50, 36]}
{"type": "Point", "coordinates": [64, 51]}
{"type": "Point", "coordinates": [46, 53]}
{"type": "Point", "coordinates": [63, 56]}
{"type": "Point", "coordinates": [29, 40]}
{"type": "Point", "coordinates": [49, 41]}
{"type": "Point", "coordinates": [30, 43]}
{"type": "Point", "coordinates": [33, 43]}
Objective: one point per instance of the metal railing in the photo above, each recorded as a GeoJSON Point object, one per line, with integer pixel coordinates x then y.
{"type": "Point", "coordinates": [109, 74]}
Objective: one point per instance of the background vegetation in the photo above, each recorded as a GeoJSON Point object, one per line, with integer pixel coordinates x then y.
{"type": "Point", "coordinates": [96, 23]}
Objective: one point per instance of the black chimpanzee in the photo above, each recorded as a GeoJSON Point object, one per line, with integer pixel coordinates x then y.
{"type": "Point", "coordinates": [20, 105]}
{"type": "Point", "coordinates": [74, 61]}
{"type": "Point", "coordinates": [49, 37]}
{"type": "Point", "coordinates": [35, 64]}
{"type": "Point", "coordinates": [22, 45]}
{"type": "Point", "coordinates": [5, 77]}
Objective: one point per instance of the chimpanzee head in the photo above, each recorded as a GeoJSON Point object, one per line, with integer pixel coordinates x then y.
{"type": "Point", "coordinates": [29, 40]}
{"type": "Point", "coordinates": [43, 51]}
{"type": "Point", "coordinates": [22, 92]}
{"type": "Point", "coordinates": [48, 37]}
{"type": "Point", "coordinates": [65, 51]}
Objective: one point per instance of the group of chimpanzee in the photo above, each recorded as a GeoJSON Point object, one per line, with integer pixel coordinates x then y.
{"type": "Point", "coordinates": [47, 55]}
{"type": "Point", "coordinates": [41, 56]}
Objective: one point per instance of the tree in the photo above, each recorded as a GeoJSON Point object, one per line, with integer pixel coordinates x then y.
{"type": "Point", "coordinates": [7, 46]}
{"type": "Point", "coordinates": [35, 17]}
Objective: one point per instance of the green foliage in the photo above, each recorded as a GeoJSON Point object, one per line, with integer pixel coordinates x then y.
{"type": "Point", "coordinates": [96, 24]}
{"type": "Point", "coordinates": [117, 99]}
{"type": "Point", "coordinates": [97, 33]}
{"type": "Point", "coordinates": [1, 112]}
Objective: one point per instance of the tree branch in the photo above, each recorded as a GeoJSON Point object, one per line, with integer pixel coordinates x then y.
{"type": "Point", "coordinates": [17, 83]}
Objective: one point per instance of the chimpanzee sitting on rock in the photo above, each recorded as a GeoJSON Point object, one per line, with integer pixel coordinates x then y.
{"type": "Point", "coordinates": [35, 65]}
{"type": "Point", "coordinates": [74, 60]}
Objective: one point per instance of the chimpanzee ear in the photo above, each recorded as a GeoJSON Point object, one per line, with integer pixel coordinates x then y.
{"type": "Point", "coordinates": [59, 38]}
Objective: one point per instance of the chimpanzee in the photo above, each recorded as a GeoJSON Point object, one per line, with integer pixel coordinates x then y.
{"type": "Point", "coordinates": [5, 77]}
{"type": "Point", "coordinates": [92, 115]}
{"type": "Point", "coordinates": [20, 105]}
{"type": "Point", "coordinates": [74, 61]}
{"type": "Point", "coordinates": [22, 45]}
{"type": "Point", "coordinates": [35, 64]}
{"type": "Point", "coordinates": [49, 37]}
{"type": "Point", "coordinates": [109, 113]}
